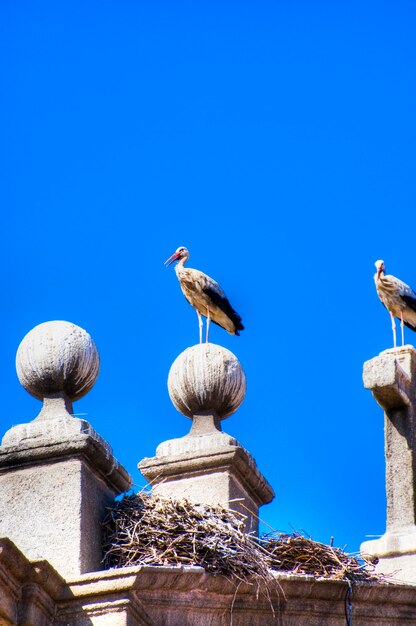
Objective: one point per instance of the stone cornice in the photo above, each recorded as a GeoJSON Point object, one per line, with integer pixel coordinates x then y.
{"type": "Point", "coordinates": [234, 459]}
{"type": "Point", "coordinates": [58, 439]}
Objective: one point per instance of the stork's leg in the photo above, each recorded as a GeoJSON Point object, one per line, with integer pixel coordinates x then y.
{"type": "Point", "coordinates": [208, 321]}
{"type": "Point", "coordinates": [393, 325]}
{"type": "Point", "coordinates": [200, 326]}
{"type": "Point", "coordinates": [402, 325]}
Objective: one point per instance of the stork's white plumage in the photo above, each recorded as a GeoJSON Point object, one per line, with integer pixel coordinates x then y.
{"type": "Point", "coordinates": [205, 295]}
{"type": "Point", "coordinates": [398, 298]}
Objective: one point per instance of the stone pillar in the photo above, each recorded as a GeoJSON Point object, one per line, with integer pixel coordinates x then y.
{"type": "Point", "coordinates": [392, 378]}
{"type": "Point", "coordinates": [57, 475]}
{"type": "Point", "coordinates": [207, 384]}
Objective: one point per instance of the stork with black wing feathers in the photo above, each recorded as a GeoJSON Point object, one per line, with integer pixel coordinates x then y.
{"type": "Point", "coordinates": [205, 295]}
{"type": "Point", "coordinates": [398, 298]}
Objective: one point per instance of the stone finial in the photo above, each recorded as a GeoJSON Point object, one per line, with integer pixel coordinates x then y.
{"type": "Point", "coordinates": [57, 357]}
{"type": "Point", "coordinates": [207, 378]}
{"type": "Point", "coordinates": [57, 475]}
{"type": "Point", "coordinates": [207, 384]}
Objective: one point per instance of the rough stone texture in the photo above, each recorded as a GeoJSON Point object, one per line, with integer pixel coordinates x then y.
{"type": "Point", "coordinates": [187, 596]}
{"type": "Point", "coordinates": [57, 475]}
{"type": "Point", "coordinates": [33, 594]}
{"type": "Point", "coordinates": [57, 356]}
{"type": "Point", "coordinates": [209, 466]}
{"type": "Point", "coordinates": [28, 591]}
{"type": "Point", "coordinates": [207, 383]}
{"type": "Point", "coordinates": [207, 377]}
{"type": "Point", "coordinates": [392, 379]}
{"type": "Point", "coordinates": [56, 481]}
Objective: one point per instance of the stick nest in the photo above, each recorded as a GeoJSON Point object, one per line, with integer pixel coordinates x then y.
{"type": "Point", "coordinates": [145, 529]}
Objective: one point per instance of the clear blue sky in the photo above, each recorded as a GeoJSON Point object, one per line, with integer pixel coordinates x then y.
{"type": "Point", "coordinates": [276, 140]}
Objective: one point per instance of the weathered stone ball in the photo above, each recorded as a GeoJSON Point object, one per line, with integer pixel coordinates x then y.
{"type": "Point", "coordinates": [57, 357]}
{"type": "Point", "coordinates": [207, 377]}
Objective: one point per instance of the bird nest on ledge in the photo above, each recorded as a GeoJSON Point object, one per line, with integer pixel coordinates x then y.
{"type": "Point", "coordinates": [143, 529]}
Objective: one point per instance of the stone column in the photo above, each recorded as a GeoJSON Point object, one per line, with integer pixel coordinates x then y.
{"type": "Point", "coordinates": [207, 384]}
{"type": "Point", "coordinates": [392, 378]}
{"type": "Point", "coordinates": [57, 475]}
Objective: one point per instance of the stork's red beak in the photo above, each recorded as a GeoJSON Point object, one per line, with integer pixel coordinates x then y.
{"type": "Point", "coordinates": [380, 269]}
{"type": "Point", "coordinates": [175, 257]}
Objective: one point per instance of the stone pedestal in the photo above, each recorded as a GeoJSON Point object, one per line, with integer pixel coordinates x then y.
{"type": "Point", "coordinates": [57, 475]}
{"type": "Point", "coordinates": [207, 384]}
{"type": "Point", "coordinates": [392, 378]}
{"type": "Point", "coordinates": [209, 466]}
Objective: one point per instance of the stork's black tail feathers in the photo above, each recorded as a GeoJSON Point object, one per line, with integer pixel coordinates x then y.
{"type": "Point", "coordinates": [411, 303]}
{"type": "Point", "coordinates": [225, 306]}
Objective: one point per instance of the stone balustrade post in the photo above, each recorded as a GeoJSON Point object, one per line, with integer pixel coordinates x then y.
{"type": "Point", "coordinates": [57, 475]}
{"type": "Point", "coordinates": [207, 384]}
{"type": "Point", "coordinates": [392, 379]}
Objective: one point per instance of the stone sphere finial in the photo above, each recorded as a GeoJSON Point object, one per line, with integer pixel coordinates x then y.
{"type": "Point", "coordinates": [57, 357]}
{"type": "Point", "coordinates": [207, 377]}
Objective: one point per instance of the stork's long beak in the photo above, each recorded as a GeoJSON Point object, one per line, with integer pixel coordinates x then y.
{"type": "Point", "coordinates": [380, 269]}
{"type": "Point", "coordinates": [175, 257]}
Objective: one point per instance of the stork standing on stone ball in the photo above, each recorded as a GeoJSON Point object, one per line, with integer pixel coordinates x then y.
{"type": "Point", "coordinates": [205, 295]}
{"type": "Point", "coordinates": [398, 298]}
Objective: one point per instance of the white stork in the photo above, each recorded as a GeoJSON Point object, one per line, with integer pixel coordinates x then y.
{"type": "Point", "coordinates": [205, 295]}
{"type": "Point", "coordinates": [398, 298]}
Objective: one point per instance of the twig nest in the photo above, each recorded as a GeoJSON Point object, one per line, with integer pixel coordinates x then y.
{"type": "Point", "coordinates": [57, 357]}
{"type": "Point", "coordinates": [207, 377]}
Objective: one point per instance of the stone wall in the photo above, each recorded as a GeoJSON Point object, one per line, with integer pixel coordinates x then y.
{"type": "Point", "coordinates": [33, 594]}
{"type": "Point", "coordinates": [58, 363]}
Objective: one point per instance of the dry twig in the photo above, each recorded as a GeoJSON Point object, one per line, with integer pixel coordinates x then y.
{"type": "Point", "coordinates": [145, 529]}
{"type": "Point", "coordinates": [297, 554]}
{"type": "Point", "coordinates": [148, 529]}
